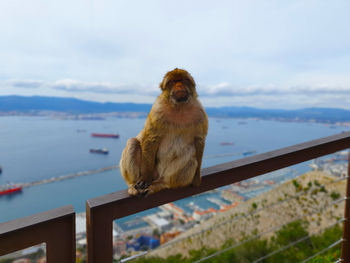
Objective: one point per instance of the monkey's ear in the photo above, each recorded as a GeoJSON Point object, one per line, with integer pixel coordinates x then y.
{"type": "Point", "coordinates": [162, 84]}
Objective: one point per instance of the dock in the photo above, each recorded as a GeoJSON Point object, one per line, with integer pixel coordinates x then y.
{"type": "Point", "coordinates": [68, 176]}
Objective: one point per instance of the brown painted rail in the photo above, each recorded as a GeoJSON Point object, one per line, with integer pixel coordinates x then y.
{"type": "Point", "coordinates": [345, 249]}
{"type": "Point", "coordinates": [101, 211]}
{"type": "Point", "coordinates": [56, 228]}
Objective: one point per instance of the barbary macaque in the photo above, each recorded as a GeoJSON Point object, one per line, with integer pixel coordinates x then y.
{"type": "Point", "coordinates": [168, 151]}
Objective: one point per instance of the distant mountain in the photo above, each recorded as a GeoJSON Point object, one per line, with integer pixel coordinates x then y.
{"type": "Point", "coordinates": [75, 106]}
{"type": "Point", "coordinates": [71, 105]}
{"type": "Point", "coordinates": [307, 114]}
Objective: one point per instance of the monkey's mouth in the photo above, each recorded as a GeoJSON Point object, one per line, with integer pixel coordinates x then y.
{"type": "Point", "coordinates": [180, 96]}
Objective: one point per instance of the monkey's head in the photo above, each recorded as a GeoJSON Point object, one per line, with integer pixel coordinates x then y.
{"type": "Point", "coordinates": [178, 86]}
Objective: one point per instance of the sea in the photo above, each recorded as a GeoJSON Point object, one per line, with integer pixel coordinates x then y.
{"type": "Point", "coordinates": [36, 148]}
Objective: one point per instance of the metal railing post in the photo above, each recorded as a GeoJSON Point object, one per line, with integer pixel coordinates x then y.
{"type": "Point", "coordinates": [345, 248]}
{"type": "Point", "coordinates": [99, 228]}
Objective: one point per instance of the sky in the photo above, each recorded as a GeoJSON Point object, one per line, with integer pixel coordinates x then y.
{"type": "Point", "coordinates": [265, 54]}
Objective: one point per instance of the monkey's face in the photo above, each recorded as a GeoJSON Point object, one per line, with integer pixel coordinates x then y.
{"type": "Point", "coordinates": [179, 86]}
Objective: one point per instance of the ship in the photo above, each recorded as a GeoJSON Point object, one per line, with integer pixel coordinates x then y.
{"type": "Point", "coordinates": [0, 170]}
{"type": "Point", "coordinates": [101, 151]}
{"type": "Point", "coordinates": [249, 153]}
{"type": "Point", "coordinates": [226, 143]}
{"type": "Point", "coordinates": [105, 135]}
{"type": "Point", "coordinates": [10, 189]}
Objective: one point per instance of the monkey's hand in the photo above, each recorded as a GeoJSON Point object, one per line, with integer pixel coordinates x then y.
{"type": "Point", "coordinates": [141, 188]}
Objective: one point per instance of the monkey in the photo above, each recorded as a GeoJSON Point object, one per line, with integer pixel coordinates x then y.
{"type": "Point", "coordinates": [168, 151]}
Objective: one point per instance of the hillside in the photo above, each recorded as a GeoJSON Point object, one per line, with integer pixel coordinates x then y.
{"type": "Point", "coordinates": [23, 104]}
{"type": "Point", "coordinates": [314, 204]}
{"type": "Point", "coordinates": [70, 105]}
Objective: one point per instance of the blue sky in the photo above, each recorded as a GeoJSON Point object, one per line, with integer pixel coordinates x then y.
{"type": "Point", "coordinates": [267, 54]}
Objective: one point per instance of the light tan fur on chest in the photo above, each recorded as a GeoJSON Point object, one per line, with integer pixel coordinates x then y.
{"type": "Point", "coordinates": [174, 153]}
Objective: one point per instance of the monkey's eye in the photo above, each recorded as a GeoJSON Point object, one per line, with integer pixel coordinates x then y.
{"type": "Point", "coordinates": [171, 83]}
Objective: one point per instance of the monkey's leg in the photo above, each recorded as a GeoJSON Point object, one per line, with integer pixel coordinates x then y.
{"type": "Point", "coordinates": [157, 185]}
{"type": "Point", "coordinates": [180, 178]}
{"type": "Point", "coordinates": [185, 175]}
{"type": "Point", "coordinates": [130, 166]}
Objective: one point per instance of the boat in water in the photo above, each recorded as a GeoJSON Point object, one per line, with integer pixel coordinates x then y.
{"type": "Point", "coordinates": [105, 135]}
{"type": "Point", "coordinates": [249, 153]}
{"type": "Point", "coordinates": [0, 170]}
{"type": "Point", "coordinates": [227, 143]}
{"type": "Point", "coordinates": [101, 151]}
{"type": "Point", "coordinates": [10, 189]}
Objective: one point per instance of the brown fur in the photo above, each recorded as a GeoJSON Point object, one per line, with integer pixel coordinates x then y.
{"type": "Point", "coordinates": [168, 151]}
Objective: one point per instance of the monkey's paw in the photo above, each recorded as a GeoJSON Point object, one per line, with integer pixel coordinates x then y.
{"type": "Point", "coordinates": [141, 185]}
{"type": "Point", "coordinates": [139, 189]}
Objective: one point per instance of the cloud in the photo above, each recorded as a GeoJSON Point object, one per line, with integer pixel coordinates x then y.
{"type": "Point", "coordinates": [269, 92]}
{"type": "Point", "coordinates": [27, 84]}
{"type": "Point", "coordinates": [227, 89]}
{"type": "Point", "coordinates": [75, 86]}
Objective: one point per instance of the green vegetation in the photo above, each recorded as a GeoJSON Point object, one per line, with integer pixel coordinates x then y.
{"type": "Point", "coordinates": [317, 183]}
{"type": "Point", "coordinates": [254, 205]}
{"type": "Point", "coordinates": [255, 249]}
{"type": "Point", "coordinates": [335, 195]}
{"type": "Point", "coordinates": [298, 186]}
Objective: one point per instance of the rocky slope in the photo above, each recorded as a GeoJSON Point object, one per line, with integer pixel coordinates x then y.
{"type": "Point", "coordinates": [314, 197]}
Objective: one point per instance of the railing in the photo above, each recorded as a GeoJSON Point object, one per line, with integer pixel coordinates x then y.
{"type": "Point", "coordinates": [101, 211]}
{"type": "Point", "coordinates": [57, 227]}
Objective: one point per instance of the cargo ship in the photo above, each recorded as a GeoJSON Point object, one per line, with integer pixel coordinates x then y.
{"type": "Point", "coordinates": [101, 151]}
{"type": "Point", "coordinates": [226, 143]}
{"type": "Point", "coordinates": [249, 153]}
{"type": "Point", "coordinates": [10, 189]}
{"type": "Point", "coordinates": [105, 135]}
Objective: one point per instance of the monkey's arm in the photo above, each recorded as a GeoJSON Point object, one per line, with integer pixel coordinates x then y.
{"type": "Point", "coordinates": [149, 145]}
{"type": "Point", "coordinates": [199, 145]}
{"type": "Point", "coordinates": [199, 142]}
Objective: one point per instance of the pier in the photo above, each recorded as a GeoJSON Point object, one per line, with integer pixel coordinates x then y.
{"type": "Point", "coordinates": [68, 176]}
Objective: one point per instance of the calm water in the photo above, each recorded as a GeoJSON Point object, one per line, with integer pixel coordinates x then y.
{"type": "Point", "coordinates": [34, 148]}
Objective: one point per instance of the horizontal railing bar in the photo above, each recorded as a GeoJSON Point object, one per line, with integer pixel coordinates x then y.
{"type": "Point", "coordinates": [224, 174]}
{"type": "Point", "coordinates": [31, 221]}
{"type": "Point", "coordinates": [55, 228]}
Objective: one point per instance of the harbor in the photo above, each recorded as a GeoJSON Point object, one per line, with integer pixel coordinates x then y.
{"type": "Point", "coordinates": [104, 169]}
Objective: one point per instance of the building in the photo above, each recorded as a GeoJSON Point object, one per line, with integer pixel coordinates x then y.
{"type": "Point", "coordinates": [143, 243]}
{"type": "Point", "coordinates": [168, 236]}
{"type": "Point", "coordinates": [203, 215]}
{"type": "Point", "coordinates": [157, 222]}
{"type": "Point", "coordinates": [119, 247]}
